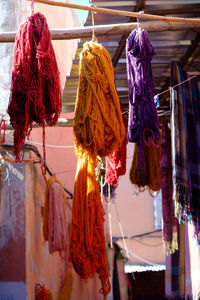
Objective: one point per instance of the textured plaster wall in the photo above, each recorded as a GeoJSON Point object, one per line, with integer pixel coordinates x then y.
{"type": "Point", "coordinates": [12, 232]}
{"type": "Point", "coordinates": [41, 267]}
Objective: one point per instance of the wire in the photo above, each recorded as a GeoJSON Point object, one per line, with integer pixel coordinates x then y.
{"type": "Point", "coordinates": [172, 87]}
{"type": "Point", "coordinates": [142, 259]}
{"type": "Point", "coordinates": [139, 235]}
{"type": "Point", "coordinates": [35, 150]}
{"type": "Point", "coordinates": [121, 230]}
{"type": "Point", "coordinates": [50, 146]}
{"type": "Point", "coordinates": [148, 245]}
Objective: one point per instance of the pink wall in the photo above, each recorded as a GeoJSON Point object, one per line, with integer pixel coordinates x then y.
{"type": "Point", "coordinates": [136, 217]}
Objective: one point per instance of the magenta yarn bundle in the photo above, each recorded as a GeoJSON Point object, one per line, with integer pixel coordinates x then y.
{"type": "Point", "coordinates": [143, 119]}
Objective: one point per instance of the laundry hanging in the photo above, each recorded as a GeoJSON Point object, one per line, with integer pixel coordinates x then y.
{"type": "Point", "coordinates": [55, 227]}
{"type": "Point", "coordinates": [169, 220]}
{"type": "Point", "coordinates": [143, 119]}
{"type": "Point", "coordinates": [185, 107]}
{"type": "Point", "coordinates": [98, 129]}
{"type": "Point", "coordinates": [116, 162]}
{"type": "Point", "coordinates": [36, 94]}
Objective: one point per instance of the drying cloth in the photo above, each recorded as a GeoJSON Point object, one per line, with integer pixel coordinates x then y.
{"type": "Point", "coordinates": [98, 129]}
{"type": "Point", "coordinates": [36, 94]}
{"type": "Point", "coordinates": [143, 120]}
{"type": "Point", "coordinates": [55, 228]}
{"type": "Point", "coordinates": [169, 220]}
{"type": "Point", "coordinates": [116, 162]}
{"type": "Point", "coordinates": [185, 120]}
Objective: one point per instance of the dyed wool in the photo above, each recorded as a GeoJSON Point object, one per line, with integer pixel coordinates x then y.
{"type": "Point", "coordinates": [66, 291]}
{"type": "Point", "coordinates": [44, 294]}
{"type": "Point", "coordinates": [169, 220]}
{"type": "Point", "coordinates": [55, 221]}
{"type": "Point", "coordinates": [116, 162]}
{"type": "Point", "coordinates": [143, 120]}
{"type": "Point", "coordinates": [151, 176]}
{"type": "Point", "coordinates": [36, 94]}
{"type": "Point", "coordinates": [98, 130]}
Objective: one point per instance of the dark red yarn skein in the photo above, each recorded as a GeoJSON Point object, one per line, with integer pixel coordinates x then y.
{"type": "Point", "coordinates": [36, 94]}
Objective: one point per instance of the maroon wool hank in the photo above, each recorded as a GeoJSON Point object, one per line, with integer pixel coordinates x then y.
{"type": "Point", "coordinates": [36, 94]}
{"type": "Point", "coordinates": [116, 162]}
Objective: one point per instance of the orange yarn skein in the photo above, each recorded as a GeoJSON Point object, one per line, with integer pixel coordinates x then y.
{"type": "Point", "coordinates": [98, 129]}
{"type": "Point", "coordinates": [98, 125]}
{"type": "Point", "coordinates": [151, 177]}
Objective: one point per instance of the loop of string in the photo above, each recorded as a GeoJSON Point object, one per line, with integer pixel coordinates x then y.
{"type": "Point", "coordinates": [92, 13]}
{"type": "Point", "coordinates": [32, 7]}
{"type": "Point", "coordinates": [110, 217]}
{"type": "Point", "coordinates": [138, 18]}
{"type": "Point", "coordinates": [121, 230]}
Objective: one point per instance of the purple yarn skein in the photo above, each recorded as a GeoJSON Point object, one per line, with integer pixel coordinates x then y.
{"type": "Point", "coordinates": [143, 119]}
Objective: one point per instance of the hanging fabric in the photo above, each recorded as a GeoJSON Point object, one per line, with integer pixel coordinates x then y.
{"type": "Point", "coordinates": [185, 106]}
{"type": "Point", "coordinates": [98, 129]}
{"type": "Point", "coordinates": [55, 228]}
{"type": "Point", "coordinates": [36, 94]}
{"type": "Point", "coordinates": [143, 119]}
{"type": "Point", "coordinates": [116, 162]}
{"type": "Point", "coordinates": [169, 220]}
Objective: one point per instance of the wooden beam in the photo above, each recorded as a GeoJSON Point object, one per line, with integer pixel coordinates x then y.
{"type": "Point", "coordinates": [190, 51]}
{"type": "Point", "coordinates": [118, 12]}
{"type": "Point", "coordinates": [122, 43]}
{"type": "Point", "coordinates": [175, 11]}
{"type": "Point", "coordinates": [183, 61]}
{"type": "Point", "coordinates": [106, 30]}
{"type": "Point", "coordinates": [192, 60]}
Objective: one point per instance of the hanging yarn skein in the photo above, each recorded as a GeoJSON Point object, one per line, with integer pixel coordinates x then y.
{"type": "Point", "coordinates": [143, 119]}
{"type": "Point", "coordinates": [98, 129]}
{"type": "Point", "coordinates": [151, 177]}
{"type": "Point", "coordinates": [36, 94]}
{"type": "Point", "coordinates": [116, 162]}
{"type": "Point", "coordinates": [55, 228]}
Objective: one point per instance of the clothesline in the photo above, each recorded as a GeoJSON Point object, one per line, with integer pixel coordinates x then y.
{"type": "Point", "coordinates": [172, 87]}
{"type": "Point", "coordinates": [118, 12]}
